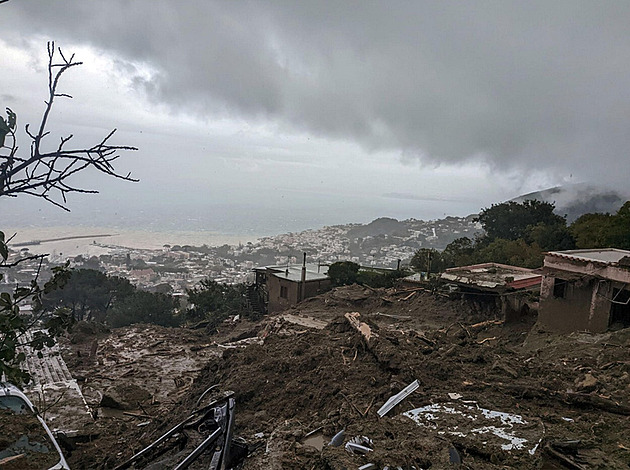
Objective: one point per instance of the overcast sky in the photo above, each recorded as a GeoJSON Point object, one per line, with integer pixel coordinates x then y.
{"type": "Point", "coordinates": [373, 108]}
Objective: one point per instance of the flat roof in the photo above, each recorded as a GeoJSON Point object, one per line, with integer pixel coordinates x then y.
{"type": "Point", "coordinates": [493, 275]}
{"type": "Point", "coordinates": [416, 277]}
{"type": "Point", "coordinates": [294, 272]}
{"type": "Point", "coordinates": [603, 255]}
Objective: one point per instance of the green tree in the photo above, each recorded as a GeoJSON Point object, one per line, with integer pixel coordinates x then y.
{"type": "Point", "coordinates": [460, 252]}
{"type": "Point", "coordinates": [214, 301]}
{"type": "Point", "coordinates": [603, 230]}
{"type": "Point", "coordinates": [89, 294]}
{"type": "Point", "coordinates": [343, 273]}
{"type": "Point", "coordinates": [14, 324]}
{"type": "Point", "coordinates": [144, 307]}
{"type": "Point", "coordinates": [428, 260]}
{"type": "Point", "coordinates": [376, 279]}
{"type": "Point", "coordinates": [512, 220]}
{"type": "Point", "coordinates": [619, 232]}
{"type": "Point", "coordinates": [551, 237]}
{"type": "Point", "coordinates": [512, 252]}
{"type": "Point", "coordinates": [591, 230]}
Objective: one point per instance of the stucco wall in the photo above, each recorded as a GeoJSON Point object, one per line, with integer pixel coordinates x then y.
{"type": "Point", "coordinates": [277, 303]}
{"type": "Point", "coordinates": [583, 307]}
{"type": "Point", "coordinates": [314, 288]}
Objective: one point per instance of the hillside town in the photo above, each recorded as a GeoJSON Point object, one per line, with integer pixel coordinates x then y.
{"type": "Point", "coordinates": [188, 277]}
{"type": "Point", "coordinates": [381, 243]}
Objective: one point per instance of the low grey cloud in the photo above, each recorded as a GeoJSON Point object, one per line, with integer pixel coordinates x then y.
{"type": "Point", "coordinates": [521, 84]}
{"type": "Point", "coordinates": [416, 197]}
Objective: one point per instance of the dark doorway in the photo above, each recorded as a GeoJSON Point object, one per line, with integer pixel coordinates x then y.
{"type": "Point", "coordinates": [620, 308]}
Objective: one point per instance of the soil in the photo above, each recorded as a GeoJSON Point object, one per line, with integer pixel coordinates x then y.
{"type": "Point", "coordinates": [22, 436]}
{"type": "Point", "coordinates": [491, 394]}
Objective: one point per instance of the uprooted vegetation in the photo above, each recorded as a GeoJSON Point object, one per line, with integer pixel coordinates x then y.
{"type": "Point", "coordinates": [494, 395]}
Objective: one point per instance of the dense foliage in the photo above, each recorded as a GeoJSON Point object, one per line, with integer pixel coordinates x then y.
{"type": "Point", "coordinates": [144, 307]}
{"type": "Point", "coordinates": [93, 295]}
{"type": "Point", "coordinates": [89, 294]}
{"type": "Point", "coordinates": [519, 233]}
{"type": "Point", "coordinates": [213, 302]}
{"type": "Point", "coordinates": [513, 221]}
{"type": "Point", "coordinates": [603, 230]}
{"type": "Point", "coordinates": [14, 323]}
{"type": "Point", "coordinates": [344, 273]}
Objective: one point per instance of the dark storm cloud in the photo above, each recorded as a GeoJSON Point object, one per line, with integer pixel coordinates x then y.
{"type": "Point", "coordinates": [520, 84]}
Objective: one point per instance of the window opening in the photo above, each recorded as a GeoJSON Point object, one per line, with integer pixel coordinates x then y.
{"type": "Point", "coordinates": [559, 288]}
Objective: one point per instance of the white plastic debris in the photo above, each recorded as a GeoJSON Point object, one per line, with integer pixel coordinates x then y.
{"type": "Point", "coordinates": [396, 399]}
{"type": "Point", "coordinates": [359, 445]}
{"type": "Point", "coordinates": [510, 432]}
{"type": "Point", "coordinates": [337, 439]}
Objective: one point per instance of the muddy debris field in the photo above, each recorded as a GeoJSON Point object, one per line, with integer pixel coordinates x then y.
{"type": "Point", "coordinates": [310, 385]}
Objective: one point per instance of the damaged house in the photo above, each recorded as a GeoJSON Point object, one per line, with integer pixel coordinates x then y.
{"type": "Point", "coordinates": [277, 288]}
{"type": "Point", "coordinates": [498, 286]}
{"type": "Point", "coordinates": [585, 290]}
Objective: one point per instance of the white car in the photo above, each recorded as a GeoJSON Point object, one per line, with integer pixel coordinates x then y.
{"type": "Point", "coordinates": [25, 440]}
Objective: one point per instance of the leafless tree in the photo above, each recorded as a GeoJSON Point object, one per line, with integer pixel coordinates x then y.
{"type": "Point", "coordinates": [48, 174]}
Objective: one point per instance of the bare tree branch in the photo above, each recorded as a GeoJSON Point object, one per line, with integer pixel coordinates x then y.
{"type": "Point", "coordinates": [47, 174]}
{"type": "Point", "coordinates": [22, 260]}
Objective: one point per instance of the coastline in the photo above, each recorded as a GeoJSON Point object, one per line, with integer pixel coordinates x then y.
{"type": "Point", "coordinates": [85, 240]}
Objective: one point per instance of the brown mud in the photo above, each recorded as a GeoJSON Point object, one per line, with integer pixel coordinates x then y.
{"type": "Point", "coordinates": [24, 443]}
{"type": "Point", "coordinates": [496, 395]}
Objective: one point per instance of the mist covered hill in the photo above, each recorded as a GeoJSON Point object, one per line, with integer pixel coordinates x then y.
{"type": "Point", "coordinates": [576, 199]}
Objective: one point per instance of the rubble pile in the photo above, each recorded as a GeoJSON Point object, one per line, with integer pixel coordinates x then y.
{"type": "Point", "coordinates": [310, 386]}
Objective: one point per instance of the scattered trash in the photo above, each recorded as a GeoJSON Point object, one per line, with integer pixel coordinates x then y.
{"type": "Point", "coordinates": [315, 439]}
{"type": "Point", "coordinates": [214, 422]}
{"type": "Point", "coordinates": [454, 396]}
{"type": "Point", "coordinates": [259, 435]}
{"type": "Point", "coordinates": [361, 327]}
{"type": "Point", "coordinates": [367, 466]}
{"type": "Point", "coordinates": [396, 399]}
{"type": "Point", "coordinates": [453, 456]}
{"type": "Point", "coordinates": [506, 430]}
{"type": "Point", "coordinates": [360, 445]}
{"type": "Point", "coordinates": [337, 439]}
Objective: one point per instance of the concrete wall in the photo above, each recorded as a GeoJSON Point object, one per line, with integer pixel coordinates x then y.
{"type": "Point", "coordinates": [277, 303]}
{"type": "Point", "coordinates": [584, 306]}
{"type": "Point", "coordinates": [314, 288]}
{"type": "Point", "coordinates": [516, 307]}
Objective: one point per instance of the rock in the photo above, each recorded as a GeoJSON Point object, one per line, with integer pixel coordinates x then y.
{"type": "Point", "coordinates": [124, 397]}
{"type": "Point", "coordinates": [588, 384]}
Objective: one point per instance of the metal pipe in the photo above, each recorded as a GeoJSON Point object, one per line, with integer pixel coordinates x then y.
{"type": "Point", "coordinates": [194, 455]}
{"type": "Point", "coordinates": [161, 439]}
{"type": "Point", "coordinates": [303, 280]}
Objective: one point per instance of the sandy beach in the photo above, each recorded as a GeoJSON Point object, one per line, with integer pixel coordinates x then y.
{"type": "Point", "coordinates": [95, 237]}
